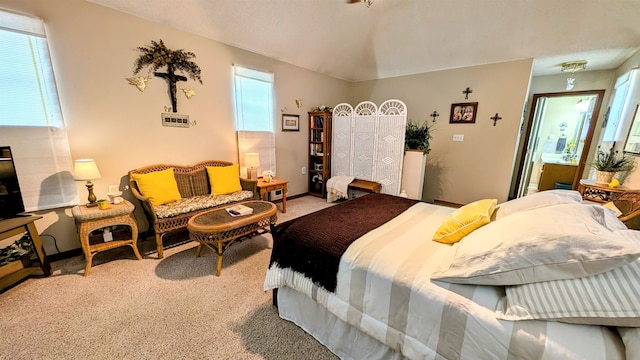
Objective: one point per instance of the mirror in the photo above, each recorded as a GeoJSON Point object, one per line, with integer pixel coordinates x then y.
{"type": "Point", "coordinates": [632, 145]}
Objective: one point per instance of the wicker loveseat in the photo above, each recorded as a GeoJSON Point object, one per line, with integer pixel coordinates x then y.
{"type": "Point", "coordinates": [195, 190]}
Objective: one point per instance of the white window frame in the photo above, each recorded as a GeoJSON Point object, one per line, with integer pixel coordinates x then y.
{"type": "Point", "coordinates": [255, 129]}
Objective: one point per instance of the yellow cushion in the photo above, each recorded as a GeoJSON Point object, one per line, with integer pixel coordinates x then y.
{"type": "Point", "coordinates": [224, 179]}
{"type": "Point", "coordinates": [464, 220]}
{"type": "Point", "coordinates": [159, 186]}
{"type": "Point", "coordinates": [612, 206]}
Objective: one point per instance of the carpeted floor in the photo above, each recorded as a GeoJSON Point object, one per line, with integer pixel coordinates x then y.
{"type": "Point", "coordinates": [173, 308]}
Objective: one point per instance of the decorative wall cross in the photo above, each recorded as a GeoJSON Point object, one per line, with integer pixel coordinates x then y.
{"type": "Point", "coordinates": [157, 56]}
{"type": "Point", "coordinates": [466, 93]}
{"type": "Point", "coordinates": [495, 118]}
{"type": "Point", "coordinates": [172, 79]}
{"type": "Point", "coordinates": [434, 115]}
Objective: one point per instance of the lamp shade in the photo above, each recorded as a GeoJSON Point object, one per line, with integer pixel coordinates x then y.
{"type": "Point", "coordinates": [85, 169]}
{"type": "Point", "coordinates": [251, 160]}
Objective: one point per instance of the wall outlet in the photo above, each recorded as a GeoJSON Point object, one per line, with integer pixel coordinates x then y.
{"type": "Point", "coordinates": [304, 170]}
{"type": "Point", "coordinates": [458, 137]}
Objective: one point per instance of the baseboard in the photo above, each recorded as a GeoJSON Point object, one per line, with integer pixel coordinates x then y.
{"type": "Point", "coordinates": [446, 203]}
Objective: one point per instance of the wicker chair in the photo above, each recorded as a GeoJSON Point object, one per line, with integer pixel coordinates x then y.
{"type": "Point", "coordinates": [629, 204]}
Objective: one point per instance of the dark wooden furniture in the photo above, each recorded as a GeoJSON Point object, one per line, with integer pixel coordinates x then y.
{"type": "Point", "coordinates": [89, 219]}
{"type": "Point", "coordinates": [218, 230]}
{"type": "Point", "coordinates": [556, 173]}
{"type": "Point", "coordinates": [18, 270]}
{"type": "Point", "coordinates": [319, 152]}
{"type": "Point", "coordinates": [265, 188]}
{"type": "Point", "coordinates": [360, 187]}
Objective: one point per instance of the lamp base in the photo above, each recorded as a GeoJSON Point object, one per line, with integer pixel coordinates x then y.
{"type": "Point", "coordinates": [92, 197]}
{"type": "Point", "coordinates": [252, 173]}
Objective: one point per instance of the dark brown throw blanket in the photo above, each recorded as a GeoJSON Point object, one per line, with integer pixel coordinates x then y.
{"type": "Point", "coordinates": [313, 244]}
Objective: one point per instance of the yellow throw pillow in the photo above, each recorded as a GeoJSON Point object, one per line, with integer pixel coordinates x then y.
{"type": "Point", "coordinates": [224, 179]}
{"type": "Point", "coordinates": [610, 205]}
{"type": "Point", "coordinates": [464, 220]}
{"type": "Point", "coordinates": [159, 186]}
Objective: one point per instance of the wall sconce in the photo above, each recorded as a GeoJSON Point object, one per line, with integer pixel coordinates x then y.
{"type": "Point", "coordinates": [252, 161]}
{"type": "Point", "coordinates": [87, 170]}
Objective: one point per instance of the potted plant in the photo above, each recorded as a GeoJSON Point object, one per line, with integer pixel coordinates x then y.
{"type": "Point", "coordinates": [417, 137]}
{"type": "Point", "coordinates": [608, 163]}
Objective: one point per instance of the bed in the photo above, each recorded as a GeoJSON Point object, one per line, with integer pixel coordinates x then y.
{"type": "Point", "coordinates": [541, 277]}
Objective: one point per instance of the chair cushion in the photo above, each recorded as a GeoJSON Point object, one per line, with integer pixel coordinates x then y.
{"type": "Point", "coordinates": [195, 203]}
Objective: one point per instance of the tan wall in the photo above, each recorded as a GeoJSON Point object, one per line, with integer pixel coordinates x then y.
{"type": "Point", "coordinates": [93, 50]}
{"type": "Point", "coordinates": [480, 166]}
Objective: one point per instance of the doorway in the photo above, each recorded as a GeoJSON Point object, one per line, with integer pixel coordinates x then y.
{"type": "Point", "coordinates": [560, 129]}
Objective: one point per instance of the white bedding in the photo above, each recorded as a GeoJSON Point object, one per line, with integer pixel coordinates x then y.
{"type": "Point", "coordinates": [384, 290]}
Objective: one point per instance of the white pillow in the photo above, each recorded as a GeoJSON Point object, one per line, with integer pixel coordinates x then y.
{"type": "Point", "coordinates": [556, 242]}
{"type": "Point", "coordinates": [631, 339]}
{"type": "Point", "coordinates": [611, 298]}
{"type": "Point", "coordinates": [537, 200]}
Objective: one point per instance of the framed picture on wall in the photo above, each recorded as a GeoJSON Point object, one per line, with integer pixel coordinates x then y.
{"type": "Point", "coordinates": [290, 122]}
{"type": "Point", "coordinates": [463, 113]}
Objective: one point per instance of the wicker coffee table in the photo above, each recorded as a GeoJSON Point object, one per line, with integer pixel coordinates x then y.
{"type": "Point", "coordinates": [218, 230]}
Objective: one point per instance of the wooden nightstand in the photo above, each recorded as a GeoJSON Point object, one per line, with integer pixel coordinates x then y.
{"type": "Point", "coordinates": [275, 184]}
{"type": "Point", "coordinates": [90, 219]}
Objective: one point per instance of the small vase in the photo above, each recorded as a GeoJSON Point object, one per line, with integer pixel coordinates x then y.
{"type": "Point", "coordinates": [604, 177]}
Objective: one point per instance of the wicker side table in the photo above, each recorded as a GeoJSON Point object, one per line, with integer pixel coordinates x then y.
{"type": "Point", "coordinates": [90, 219]}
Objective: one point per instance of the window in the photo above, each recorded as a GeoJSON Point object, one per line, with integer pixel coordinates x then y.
{"type": "Point", "coordinates": [620, 107]}
{"type": "Point", "coordinates": [254, 116]}
{"type": "Point", "coordinates": [30, 115]}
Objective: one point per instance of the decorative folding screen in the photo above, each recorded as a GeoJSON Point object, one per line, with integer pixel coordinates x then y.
{"type": "Point", "coordinates": [368, 142]}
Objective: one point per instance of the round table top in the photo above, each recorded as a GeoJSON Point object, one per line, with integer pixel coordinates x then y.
{"type": "Point", "coordinates": [220, 220]}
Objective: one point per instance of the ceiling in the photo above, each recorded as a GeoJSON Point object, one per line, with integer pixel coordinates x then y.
{"type": "Point", "coordinates": [401, 37]}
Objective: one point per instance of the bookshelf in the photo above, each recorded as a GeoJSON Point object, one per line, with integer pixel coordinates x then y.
{"type": "Point", "coordinates": [319, 152]}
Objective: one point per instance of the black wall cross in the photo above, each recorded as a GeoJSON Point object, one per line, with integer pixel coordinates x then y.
{"type": "Point", "coordinates": [434, 115]}
{"type": "Point", "coordinates": [466, 93]}
{"type": "Point", "coordinates": [172, 79]}
{"type": "Point", "coordinates": [495, 118]}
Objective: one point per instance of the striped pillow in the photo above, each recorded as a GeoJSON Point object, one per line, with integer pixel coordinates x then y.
{"type": "Point", "coordinates": [611, 298]}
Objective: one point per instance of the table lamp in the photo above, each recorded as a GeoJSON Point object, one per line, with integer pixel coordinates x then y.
{"type": "Point", "coordinates": [86, 169]}
{"type": "Point", "coordinates": [252, 161]}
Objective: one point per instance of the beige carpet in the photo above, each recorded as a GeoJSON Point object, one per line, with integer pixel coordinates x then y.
{"type": "Point", "coordinates": [173, 308]}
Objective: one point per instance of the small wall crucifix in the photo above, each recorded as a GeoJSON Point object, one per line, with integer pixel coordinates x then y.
{"type": "Point", "coordinates": [466, 93]}
{"type": "Point", "coordinates": [172, 79]}
{"type": "Point", "coordinates": [495, 118]}
{"type": "Point", "coordinates": [434, 115]}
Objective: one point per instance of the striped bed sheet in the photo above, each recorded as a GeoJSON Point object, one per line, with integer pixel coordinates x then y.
{"type": "Point", "coordinates": [384, 290]}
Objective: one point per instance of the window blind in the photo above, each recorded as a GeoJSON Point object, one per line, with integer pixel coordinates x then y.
{"type": "Point", "coordinates": [30, 115]}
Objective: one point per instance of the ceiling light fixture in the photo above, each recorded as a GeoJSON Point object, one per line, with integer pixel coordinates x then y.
{"type": "Point", "coordinates": [573, 66]}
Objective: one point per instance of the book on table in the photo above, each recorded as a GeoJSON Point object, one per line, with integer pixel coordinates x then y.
{"type": "Point", "coordinates": [239, 210]}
